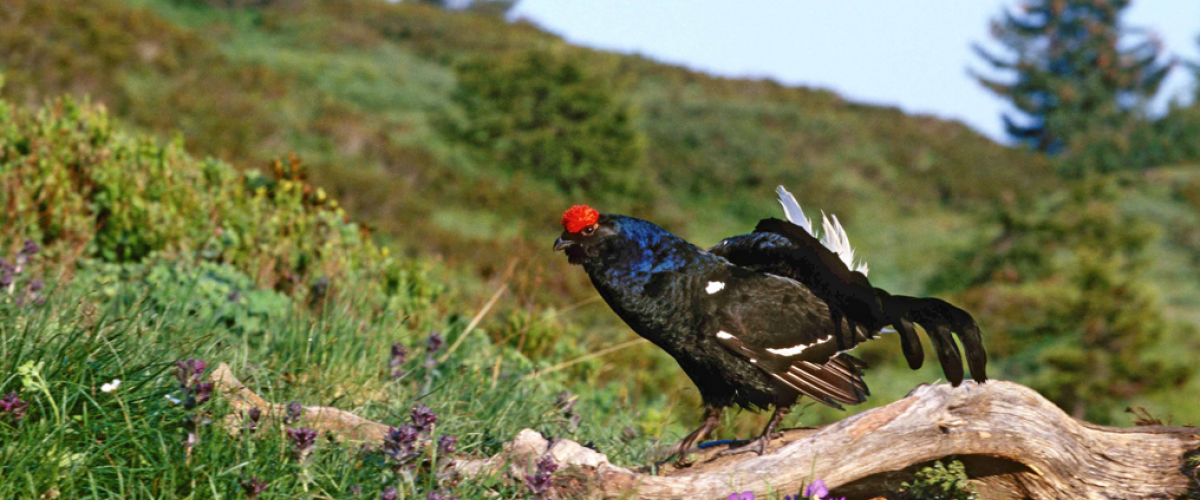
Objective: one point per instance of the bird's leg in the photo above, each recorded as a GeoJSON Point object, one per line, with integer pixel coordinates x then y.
{"type": "Point", "coordinates": [760, 445]}
{"type": "Point", "coordinates": [712, 417]}
{"type": "Point", "coordinates": [836, 315]}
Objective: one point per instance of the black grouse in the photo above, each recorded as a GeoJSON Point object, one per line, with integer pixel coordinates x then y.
{"type": "Point", "coordinates": [763, 318]}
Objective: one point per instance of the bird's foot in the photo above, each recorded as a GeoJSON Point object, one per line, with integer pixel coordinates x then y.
{"type": "Point", "coordinates": [712, 417]}
{"type": "Point", "coordinates": [681, 450]}
{"type": "Point", "coordinates": [758, 446]}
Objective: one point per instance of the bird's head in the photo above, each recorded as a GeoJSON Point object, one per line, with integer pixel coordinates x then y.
{"type": "Point", "coordinates": [584, 230]}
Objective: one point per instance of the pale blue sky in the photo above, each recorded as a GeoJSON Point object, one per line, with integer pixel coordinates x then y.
{"type": "Point", "coordinates": [913, 54]}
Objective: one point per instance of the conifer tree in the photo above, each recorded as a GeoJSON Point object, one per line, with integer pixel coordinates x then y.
{"type": "Point", "coordinates": [1073, 73]}
{"type": "Point", "coordinates": [1070, 308]}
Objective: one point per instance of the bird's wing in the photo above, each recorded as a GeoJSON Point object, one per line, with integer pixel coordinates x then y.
{"type": "Point", "coordinates": [785, 249]}
{"type": "Point", "coordinates": [783, 329]}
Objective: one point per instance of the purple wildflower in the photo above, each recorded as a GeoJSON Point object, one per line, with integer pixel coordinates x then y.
{"type": "Point", "coordinates": [389, 493]}
{"type": "Point", "coordinates": [817, 490]}
{"type": "Point", "coordinates": [423, 418]}
{"type": "Point", "coordinates": [434, 342]}
{"type": "Point", "coordinates": [399, 356]}
{"type": "Point", "coordinates": [198, 395]}
{"type": "Point", "coordinates": [447, 444]}
{"type": "Point", "coordinates": [30, 248]}
{"type": "Point", "coordinates": [203, 392]}
{"type": "Point", "coordinates": [294, 410]}
{"type": "Point", "coordinates": [12, 405]}
{"type": "Point", "coordinates": [303, 440]}
{"type": "Point", "coordinates": [540, 482]}
{"type": "Point", "coordinates": [398, 443]}
{"type": "Point", "coordinates": [437, 495]}
{"type": "Point", "coordinates": [745, 495]}
{"type": "Point", "coordinates": [34, 293]}
{"type": "Point", "coordinates": [253, 415]}
{"type": "Point", "coordinates": [253, 487]}
{"type": "Point", "coordinates": [6, 277]}
{"type": "Point", "coordinates": [189, 372]}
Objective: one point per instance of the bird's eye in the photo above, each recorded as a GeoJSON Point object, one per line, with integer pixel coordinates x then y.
{"type": "Point", "coordinates": [587, 231]}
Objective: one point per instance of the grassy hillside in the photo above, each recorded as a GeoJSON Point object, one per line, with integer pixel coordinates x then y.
{"type": "Point", "coordinates": [124, 257]}
{"type": "Point", "coordinates": [356, 89]}
{"type": "Point", "coordinates": [220, 137]}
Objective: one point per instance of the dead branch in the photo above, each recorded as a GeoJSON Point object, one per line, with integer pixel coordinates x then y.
{"type": "Point", "coordinates": [1014, 444]}
{"type": "Point", "coordinates": [325, 420]}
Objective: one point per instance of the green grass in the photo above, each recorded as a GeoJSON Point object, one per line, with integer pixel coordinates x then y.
{"type": "Point", "coordinates": [129, 443]}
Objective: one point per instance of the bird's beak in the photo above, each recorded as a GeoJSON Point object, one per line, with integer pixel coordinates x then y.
{"type": "Point", "coordinates": [562, 243]}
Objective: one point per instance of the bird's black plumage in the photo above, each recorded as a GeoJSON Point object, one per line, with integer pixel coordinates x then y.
{"type": "Point", "coordinates": [785, 249]}
{"type": "Point", "coordinates": [761, 319]}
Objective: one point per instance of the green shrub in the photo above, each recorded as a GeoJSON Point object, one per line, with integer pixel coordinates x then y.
{"type": "Point", "coordinates": [217, 293]}
{"type": "Point", "coordinates": [551, 117]}
{"type": "Point", "coordinates": [939, 482]}
{"type": "Point", "coordinates": [84, 190]}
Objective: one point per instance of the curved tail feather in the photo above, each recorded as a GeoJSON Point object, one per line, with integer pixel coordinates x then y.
{"type": "Point", "coordinates": [910, 343]}
{"type": "Point", "coordinates": [941, 322]}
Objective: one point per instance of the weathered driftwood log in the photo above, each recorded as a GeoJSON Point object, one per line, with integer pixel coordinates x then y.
{"type": "Point", "coordinates": [1014, 444]}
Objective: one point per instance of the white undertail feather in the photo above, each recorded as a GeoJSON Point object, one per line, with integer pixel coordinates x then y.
{"type": "Point", "coordinates": [833, 235]}
{"type": "Point", "coordinates": [794, 213]}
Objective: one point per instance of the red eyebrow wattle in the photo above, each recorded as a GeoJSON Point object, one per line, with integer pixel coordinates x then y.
{"type": "Point", "coordinates": [578, 217]}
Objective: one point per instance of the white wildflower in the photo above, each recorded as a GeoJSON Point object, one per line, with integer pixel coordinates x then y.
{"type": "Point", "coordinates": [111, 386]}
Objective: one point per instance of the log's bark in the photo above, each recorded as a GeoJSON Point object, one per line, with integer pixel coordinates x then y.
{"type": "Point", "coordinates": [1014, 444]}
